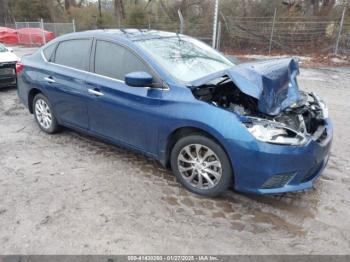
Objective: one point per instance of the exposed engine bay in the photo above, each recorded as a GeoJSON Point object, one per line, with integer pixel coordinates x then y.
{"type": "Point", "coordinates": [304, 118]}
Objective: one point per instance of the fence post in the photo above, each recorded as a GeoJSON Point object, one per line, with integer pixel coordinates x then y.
{"type": "Point", "coordinates": [181, 21]}
{"type": "Point", "coordinates": [218, 37]}
{"type": "Point", "coordinates": [30, 35]}
{"type": "Point", "coordinates": [272, 30]}
{"type": "Point", "coordinates": [339, 33]}
{"type": "Point", "coordinates": [215, 22]}
{"type": "Point", "coordinates": [55, 29]}
{"type": "Point", "coordinates": [18, 36]}
{"type": "Point", "coordinates": [73, 24]}
{"type": "Point", "coordinates": [42, 31]}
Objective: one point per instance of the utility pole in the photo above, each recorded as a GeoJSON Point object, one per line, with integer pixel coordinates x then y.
{"type": "Point", "coordinates": [181, 21]}
{"type": "Point", "coordinates": [218, 39]}
{"type": "Point", "coordinates": [216, 11]}
{"type": "Point", "coordinates": [272, 30]}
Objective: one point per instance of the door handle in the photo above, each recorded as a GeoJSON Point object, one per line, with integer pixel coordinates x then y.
{"type": "Point", "coordinates": [95, 92]}
{"type": "Point", "coordinates": [49, 79]}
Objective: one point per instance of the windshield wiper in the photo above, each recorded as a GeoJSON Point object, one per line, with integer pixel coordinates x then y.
{"type": "Point", "coordinates": [224, 80]}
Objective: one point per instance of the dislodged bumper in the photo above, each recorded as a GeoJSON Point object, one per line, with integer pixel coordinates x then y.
{"type": "Point", "coordinates": [267, 168]}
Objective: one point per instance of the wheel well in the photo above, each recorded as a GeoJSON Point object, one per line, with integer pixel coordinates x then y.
{"type": "Point", "coordinates": [182, 132]}
{"type": "Point", "coordinates": [32, 93]}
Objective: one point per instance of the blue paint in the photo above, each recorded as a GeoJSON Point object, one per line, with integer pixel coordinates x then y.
{"type": "Point", "coordinates": [143, 119]}
{"type": "Point", "coordinates": [272, 82]}
{"type": "Point", "coordinates": [138, 79]}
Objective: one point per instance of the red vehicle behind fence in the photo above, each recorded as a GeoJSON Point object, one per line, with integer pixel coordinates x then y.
{"type": "Point", "coordinates": [8, 36]}
{"type": "Point", "coordinates": [25, 36]}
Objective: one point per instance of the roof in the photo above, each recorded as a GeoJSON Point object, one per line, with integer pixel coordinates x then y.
{"type": "Point", "coordinates": [128, 34]}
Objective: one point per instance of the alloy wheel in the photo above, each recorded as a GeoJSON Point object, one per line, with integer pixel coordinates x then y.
{"type": "Point", "coordinates": [43, 113]}
{"type": "Point", "coordinates": [200, 166]}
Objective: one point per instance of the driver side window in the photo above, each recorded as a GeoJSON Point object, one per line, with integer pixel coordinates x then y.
{"type": "Point", "coordinates": [115, 61]}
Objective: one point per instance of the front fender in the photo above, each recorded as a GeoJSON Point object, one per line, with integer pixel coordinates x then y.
{"type": "Point", "coordinates": [219, 123]}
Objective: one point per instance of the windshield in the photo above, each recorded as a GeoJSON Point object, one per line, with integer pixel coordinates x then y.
{"type": "Point", "coordinates": [185, 58]}
{"type": "Point", "coordinates": [2, 48]}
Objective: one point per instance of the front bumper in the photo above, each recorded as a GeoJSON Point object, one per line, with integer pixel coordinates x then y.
{"type": "Point", "coordinates": [264, 168]}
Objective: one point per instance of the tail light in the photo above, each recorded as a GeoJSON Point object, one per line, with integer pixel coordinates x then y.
{"type": "Point", "coordinates": [19, 67]}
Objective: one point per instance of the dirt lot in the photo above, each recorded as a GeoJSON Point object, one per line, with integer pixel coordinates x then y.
{"type": "Point", "coordinates": [72, 194]}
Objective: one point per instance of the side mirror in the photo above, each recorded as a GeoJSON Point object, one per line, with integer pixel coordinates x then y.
{"type": "Point", "coordinates": [9, 49]}
{"type": "Point", "coordinates": [138, 79]}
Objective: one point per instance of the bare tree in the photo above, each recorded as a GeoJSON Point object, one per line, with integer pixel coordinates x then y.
{"type": "Point", "coordinates": [72, 3]}
{"type": "Point", "coordinates": [7, 11]}
{"type": "Point", "coordinates": [311, 7]}
{"type": "Point", "coordinates": [99, 9]}
{"type": "Point", "coordinates": [170, 7]}
{"type": "Point", "coordinates": [119, 11]}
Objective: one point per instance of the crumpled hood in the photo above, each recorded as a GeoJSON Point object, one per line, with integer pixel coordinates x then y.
{"type": "Point", "coordinates": [273, 83]}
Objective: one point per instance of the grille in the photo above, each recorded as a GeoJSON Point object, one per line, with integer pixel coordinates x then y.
{"type": "Point", "coordinates": [7, 71]}
{"type": "Point", "coordinates": [277, 181]}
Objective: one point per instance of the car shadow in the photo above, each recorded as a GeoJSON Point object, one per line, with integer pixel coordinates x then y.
{"type": "Point", "coordinates": [248, 212]}
{"type": "Point", "coordinates": [7, 88]}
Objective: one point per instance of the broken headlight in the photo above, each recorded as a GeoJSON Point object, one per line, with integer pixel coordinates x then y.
{"type": "Point", "coordinates": [322, 105]}
{"type": "Point", "coordinates": [274, 132]}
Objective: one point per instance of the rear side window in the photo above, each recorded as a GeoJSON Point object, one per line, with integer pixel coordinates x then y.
{"type": "Point", "coordinates": [48, 52]}
{"type": "Point", "coordinates": [115, 61]}
{"type": "Point", "coordinates": [73, 53]}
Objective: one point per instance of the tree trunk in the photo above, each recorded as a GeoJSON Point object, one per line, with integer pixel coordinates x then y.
{"type": "Point", "coordinates": [119, 11]}
{"type": "Point", "coordinates": [99, 20]}
{"type": "Point", "coordinates": [99, 9]}
{"type": "Point", "coordinates": [68, 4]}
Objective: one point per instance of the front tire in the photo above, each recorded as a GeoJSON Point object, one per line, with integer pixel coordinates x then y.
{"type": "Point", "coordinates": [44, 114]}
{"type": "Point", "coordinates": [201, 165]}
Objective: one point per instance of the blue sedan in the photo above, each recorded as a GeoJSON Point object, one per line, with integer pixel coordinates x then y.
{"type": "Point", "coordinates": [177, 100]}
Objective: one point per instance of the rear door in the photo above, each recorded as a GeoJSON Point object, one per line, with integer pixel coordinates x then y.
{"type": "Point", "coordinates": [117, 111]}
{"type": "Point", "coordinates": [65, 79]}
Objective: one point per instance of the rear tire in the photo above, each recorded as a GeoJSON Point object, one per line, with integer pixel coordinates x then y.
{"type": "Point", "coordinates": [201, 165]}
{"type": "Point", "coordinates": [44, 114]}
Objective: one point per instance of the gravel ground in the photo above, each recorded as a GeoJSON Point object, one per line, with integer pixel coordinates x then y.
{"type": "Point", "coordinates": [72, 194]}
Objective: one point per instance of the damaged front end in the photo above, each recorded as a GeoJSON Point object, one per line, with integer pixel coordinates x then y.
{"type": "Point", "coordinates": [267, 100]}
{"type": "Point", "coordinates": [293, 126]}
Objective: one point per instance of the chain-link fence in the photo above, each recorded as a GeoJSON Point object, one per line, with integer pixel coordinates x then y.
{"type": "Point", "coordinates": [259, 35]}
{"type": "Point", "coordinates": [292, 35]}
{"type": "Point", "coordinates": [30, 33]}
{"type": "Point", "coordinates": [264, 35]}
{"type": "Point", "coordinates": [344, 40]}
{"type": "Point", "coordinates": [201, 31]}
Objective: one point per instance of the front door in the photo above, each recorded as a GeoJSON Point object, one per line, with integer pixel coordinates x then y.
{"type": "Point", "coordinates": [123, 113]}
